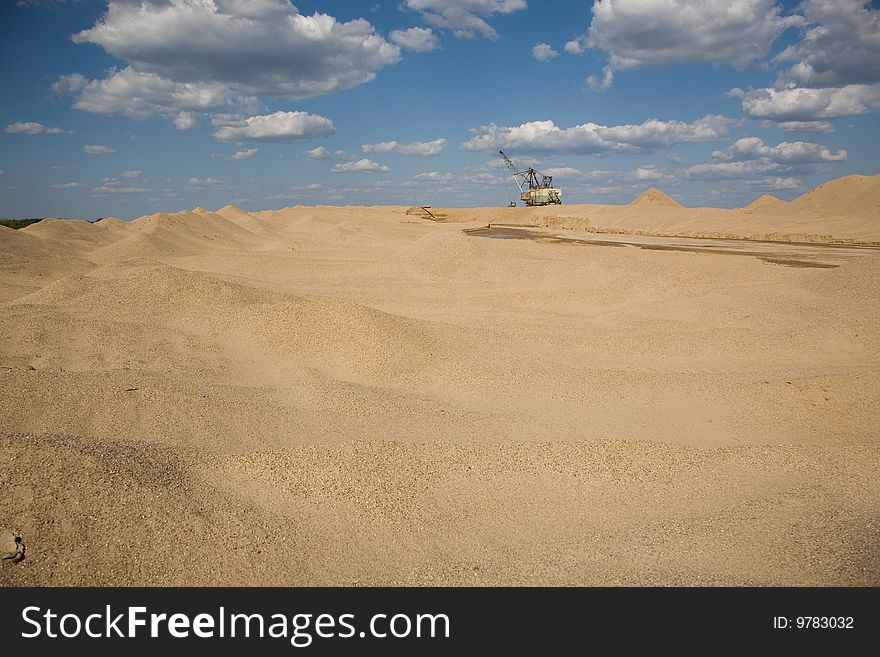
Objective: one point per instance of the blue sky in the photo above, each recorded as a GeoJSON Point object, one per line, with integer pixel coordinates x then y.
{"type": "Point", "coordinates": [136, 106]}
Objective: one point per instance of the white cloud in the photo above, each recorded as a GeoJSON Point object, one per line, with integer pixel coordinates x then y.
{"type": "Point", "coordinates": [185, 121]}
{"type": "Point", "coordinates": [415, 148]}
{"type": "Point", "coordinates": [574, 47]}
{"type": "Point", "coordinates": [434, 176]}
{"type": "Point", "coordinates": [466, 18]}
{"type": "Point", "coordinates": [118, 190]}
{"type": "Point", "coordinates": [417, 39]}
{"type": "Point", "coordinates": [264, 47]}
{"type": "Point", "coordinates": [543, 52]}
{"type": "Point", "coordinates": [594, 138]}
{"type": "Point", "coordinates": [98, 150]}
{"type": "Point", "coordinates": [69, 185]}
{"type": "Point", "coordinates": [750, 158]}
{"type": "Point", "coordinates": [360, 165]}
{"type": "Point", "coordinates": [779, 183]}
{"type": "Point", "coordinates": [318, 153]}
{"type": "Point", "coordinates": [245, 154]}
{"type": "Point", "coordinates": [2, 172]}
{"type": "Point", "coordinates": [648, 33]}
{"type": "Point", "coordinates": [279, 126]}
{"type": "Point", "coordinates": [601, 84]}
{"type": "Point", "coordinates": [69, 84]}
{"type": "Point", "coordinates": [241, 154]}
{"type": "Point", "coordinates": [563, 172]}
{"type": "Point", "coordinates": [649, 173]}
{"type": "Point", "coordinates": [745, 169]}
{"type": "Point", "coordinates": [204, 182]}
{"type": "Point", "coordinates": [840, 44]}
{"type": "Point", "coordinates": [804, 104]}
{"type": "Point", "coordinates": [804, 126]}
{"type": "Point", "coordinates": [139, 95]}
{"type": "Point", "coordinates": [798, 152]}
{"type": "Point", "coordinates": [33, 128]}
{"type": "Point", "coordinates": [24, 128]}
{"type": "Point", "coordinates": [131, 174]}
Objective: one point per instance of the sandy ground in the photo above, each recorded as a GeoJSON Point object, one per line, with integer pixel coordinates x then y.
{"type": "Point", "coordinates": [369, 396]}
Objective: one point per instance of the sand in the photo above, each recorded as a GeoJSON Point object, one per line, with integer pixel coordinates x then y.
{"type": "Point", "coordinates": [369, 396]}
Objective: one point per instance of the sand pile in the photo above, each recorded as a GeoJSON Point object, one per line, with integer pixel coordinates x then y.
{"type": "Point", "coordinates": [844, 211]}
{"type": "Point", "coordinates": [766, 202]}
{"type": "Point", "coordinates": [320, 395]}
{"type": "Point", "coordinates": [852, 195]}
{"type": "Point", "coordinates": [654, 196]}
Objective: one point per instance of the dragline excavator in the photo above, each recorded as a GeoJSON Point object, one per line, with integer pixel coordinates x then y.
{"type": "Point", "coordinates": [535, 188]}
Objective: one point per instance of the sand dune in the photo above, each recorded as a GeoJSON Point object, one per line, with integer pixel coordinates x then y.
{"type": "Point", "coordinates": [323, 395]}
{"type": "Point", "coordinates": [654, 196]}
{"type": "Point", "coordinates": [765, 201]}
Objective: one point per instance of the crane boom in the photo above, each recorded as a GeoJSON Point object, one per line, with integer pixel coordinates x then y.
{"type": "Point", "coordinates": [518, 177]}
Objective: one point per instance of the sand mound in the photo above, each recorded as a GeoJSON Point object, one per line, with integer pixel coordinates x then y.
{"type": "Point", "coordinates": [81, 237]}
{"type": "Point", "coordinates": [232, 213]}
{"type": "Point", "coordinates": [180, 234]}
{"type": "Point", "coordinates": [176, 294]}
{"type": "Point", "coordinates": [766, 202]}
{"type": "Point", "coordinates": [654, 196]}
{"type": "Point", "coordinates": [854, 195]}
{"type": "Point", "coordinates": [28, 262]}
{"type": "Point", "coordinates": [343, 395]}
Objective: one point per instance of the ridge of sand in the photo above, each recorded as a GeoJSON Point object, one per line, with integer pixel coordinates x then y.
{"type": "Point", "coordinates": [854, 195]}
{"type": "Point", "coordinates": [349, 395]}
{"type": "Point", "coordinates": [654, 196]}
{"type": "Point", "coordinates": [766, 201]}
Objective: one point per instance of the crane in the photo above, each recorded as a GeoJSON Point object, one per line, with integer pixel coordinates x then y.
{"type": "Point", "coordinates": [533, 192]}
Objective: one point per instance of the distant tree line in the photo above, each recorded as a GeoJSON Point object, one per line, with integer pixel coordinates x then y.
{"type": "Point", "coordinates": [19, 223]}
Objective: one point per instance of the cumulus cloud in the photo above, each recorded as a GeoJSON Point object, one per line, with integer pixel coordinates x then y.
{"type": "Point", "coordinates": [833, 69]}
{"type": "Point", "coordinates": [98, 150]}
{"type": "Point", "coordinates": [594, 138]}
{"type": "Point", "coordinates": [778, 183]}
{"type": "Point", "coordinates": [131, 174]}
{"type": "Point", "coordinates": [114, 189]}
{"type": "Point", "coordinates": [650, 173]}
{"type": "Point", "coordinates": [265, 47]}
{"type": "Point", "coordinates": [417, 39]}
{"type": "Point", "coordinates": [745, 169]}
{"type": "Point", "coordinates": [466, 18]}
{"type": "Point", "coordinates": [563, 172]}
{"type": "Point", "coordinates": [803, 126]}
{"type": "Point", "coordinates": [279, 126]}
{"type": "Point", "coordinates": [244, 154]}
{"type": "Point", "coordinates": [69, 185]}
{"type": "Point", "coordinates": [434, 177]}
{"type": "Point", "coordinates": [360, 165]}
{"type": "Point", "coordinates": [647, 33]}
{"type": "Point", "coordinates": [805, 104]}
{"type": "Point", "coordinates": [840, 45]}
{"type": "Point", "coordinates": [241, 154]}
{"type": "Point", "coordinates": [798, 152]}
{"type": "Point", "coordinates": [33, 128]}
{"type": "Point", "coordinates": [415, 148]}
{"type": "Point", "coordinates": [185, 121]}
{"type": "Point", "coordinates": [750, 158]}
{"type": "Point", "coordinates": [543, 52]}
{"type": "Point", "coordinates": [574, 47]}
{"type": "Point", "coordinates": [318, 153]}
{"type": "Point", "coordinates": [204, 182]}
{"type": "Point", "coordinates": [139, 95]}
